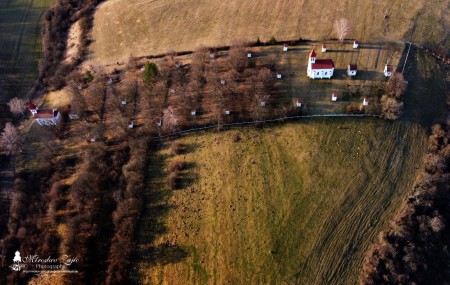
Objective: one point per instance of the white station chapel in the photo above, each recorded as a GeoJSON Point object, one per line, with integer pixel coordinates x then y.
{"type": "Point", "coordinates": [319, 68]}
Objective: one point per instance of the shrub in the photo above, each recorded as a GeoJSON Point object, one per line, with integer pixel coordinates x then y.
{"type": "Point", "coordinates": [150, 72]}
{"type": "Point", "coordinates": [172, 180]}
{"type": "Point", "coordinates": [273, 41]}
{"type": "Point", "coordinates": [176, 148]}
{"type": "Point", "coordinates": [258, 42]}
{"type": "Point", "coordinates": [176, 166]}
{"type": "Point", "coordinates": [88, 77]}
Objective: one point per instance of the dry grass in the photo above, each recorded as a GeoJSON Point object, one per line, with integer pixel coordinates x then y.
{"type": "Point", "coordinates": [124, 27]}
{"type": "Point", "coordinates": [296, 203]}
{"type": "Point", "coordinates": [73, 43]}
{"type": "Point", "coordinates": [57, 99]}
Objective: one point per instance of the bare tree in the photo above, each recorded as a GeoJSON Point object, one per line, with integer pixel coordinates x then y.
{"type": "Point", "coordinates": [391, 107]}
{"type": "Point", "coordinates": [10, 139]}
{"type": "Point", "coordinates": [95, 95]}
{"type": "Point", "coordinates": [237, 58]}
{"type": "Point", "coordinates": [396, 85]}
{"type": "Point", "coordinates": [342, 28]}
{"type": "Point", "coordinates": [17, 105]}
{"type": "Point", "coordinates": [170, 120]}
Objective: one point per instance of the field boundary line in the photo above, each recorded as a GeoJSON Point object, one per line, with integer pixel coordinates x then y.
{"type": "Point", "coordinates": [263, 121]}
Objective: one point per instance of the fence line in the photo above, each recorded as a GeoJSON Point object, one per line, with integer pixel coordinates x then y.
{"type": "Point", "coordinates": [262, 121]}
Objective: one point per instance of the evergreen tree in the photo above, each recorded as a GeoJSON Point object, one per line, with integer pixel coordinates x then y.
{"type": "Point", "coordinates": [150, 72]}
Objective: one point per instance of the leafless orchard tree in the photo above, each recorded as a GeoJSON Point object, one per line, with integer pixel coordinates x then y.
{"type": "Point", "coordinates": [10, 139]}
{"type": "Point", "coordinates": [170, 120]}
{"type": "Point", "coordinates": [342, 28]}
{"type": "Point", "coordinates": [391, 107]}
{"type": "Point", "coordinates": [396, 85]}
{"type": "Point", "coordinates": [237, 58]}
{"type": "Point", "coordinates": [17, 105]}
{"type": "Point", "coordinates": [95, 95]}
{"type": "Point", "coordinates": [117, 124]}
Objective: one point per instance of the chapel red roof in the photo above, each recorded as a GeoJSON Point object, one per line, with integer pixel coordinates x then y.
{"type": "Point", "coordinates": [312, 53]}
{"type": "Point", "coordinates": [46, 114]}
{"type": "Point", "coordinates": [323, 64]}
{"type": "Point", "coordinates": [353, 67]}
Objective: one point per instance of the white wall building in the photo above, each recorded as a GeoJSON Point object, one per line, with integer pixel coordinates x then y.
{"type": "Point", "coordinates": [351, 70]}
{"type": "Point", "coordinates": [319, 68]}
{"type": "Point", "coordinates": [45, 117]}
{"type": "Point", "coordinates": [388, 70]}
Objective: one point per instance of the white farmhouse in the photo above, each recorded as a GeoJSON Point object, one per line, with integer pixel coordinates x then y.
{"type": "Point", "coordinates": [319, 68]}
{"type": "Point", "coordinates": [45, 117]}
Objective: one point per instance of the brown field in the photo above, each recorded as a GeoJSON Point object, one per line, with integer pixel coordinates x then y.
{"type": "Point", "coordinates": [144, 27]}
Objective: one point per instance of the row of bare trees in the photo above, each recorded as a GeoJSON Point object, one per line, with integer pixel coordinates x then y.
{"type": "Point", "coordinates": [391, 101]}
{"type": "Point", "coordinates": [415, 248]}
{"type": "Point", "coordinates": [128, 199]}
{"type": "Point", "coordinates": [209, 85]}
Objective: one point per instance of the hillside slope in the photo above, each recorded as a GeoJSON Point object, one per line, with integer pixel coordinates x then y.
{"type": "Point", "coordinates": [143, 27]}
{"type": "Point", "coordinates": [298, 203]}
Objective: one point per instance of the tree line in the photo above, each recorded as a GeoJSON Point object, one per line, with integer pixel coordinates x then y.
{"type": "Point", "coordinates": [415, 247]}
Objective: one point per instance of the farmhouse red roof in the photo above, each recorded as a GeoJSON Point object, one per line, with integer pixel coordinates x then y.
{"type": "Point", "coordinates": [323, 64]}
{"type": "Point", "coordinates": [352, 67]}
{"type": "Point", "coordinates": [46, 114]}
{"type": "Point", "coordinates": [31, 106]}
{"type": "Point", "coordinates": [389, 67]}
{"type": "Point", "coordinates": [312, 53]}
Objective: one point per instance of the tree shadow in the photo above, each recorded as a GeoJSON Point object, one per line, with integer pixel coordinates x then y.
{"type": "Point", "coordinates": [187, 177]}
{"type": "Point", "coordinates": [156, 209]}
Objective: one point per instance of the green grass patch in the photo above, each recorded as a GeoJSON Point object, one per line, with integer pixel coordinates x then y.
{"type": "Point", "coordinates": [294, 203]}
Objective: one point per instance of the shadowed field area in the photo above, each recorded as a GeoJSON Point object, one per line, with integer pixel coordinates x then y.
{"type": "Point", "coordinates": [299, 202]}
{"type": "Point", "coordinates": [143, 27]}
{"type": "Point", "coordinates": [20, 45]}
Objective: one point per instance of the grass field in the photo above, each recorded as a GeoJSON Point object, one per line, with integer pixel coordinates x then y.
{"type": "Point", "coordinates": [293, 203]}
{"type": "Point", "coordinates": [144, 27]}
{"type": "Point", "coordinates": [20, 45]}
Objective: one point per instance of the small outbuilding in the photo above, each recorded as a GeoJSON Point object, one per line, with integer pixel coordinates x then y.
{"type": "Point", "coordinates": [388, 70]}
{"type": "Point", "coordinates": [158, 122]}
{"type": "Point", "coordinates": [227, 112]}
{"type": "Point", "coordinates": [285, 47]}
{"type": "Point", "coordinates": [212, 55]}
{"type": "Point", "coordinates": [249, 54]}
{"type": "Point", "coordinates": [324, 48]}
{"type": "Point", "coordinates": [298, 103]}
{"type": "Point", "coordinates": [334, 97]}
{"type": "Point", "coordinates": [130, 124]}
{"type": "Point", "coordinates": [366, 102]}
{"type": "Point", "coordinates": [351, 70]}
{"type": "Point", "coordinates": [278, 75]}
{"type": "Point", "coordinates": [123, 101]}
{"type": "Point", "coordinates": [355, 44]}
{"type": "Point", "coordinates": [222, 81]}
{"type": "Point", "coordinates": [263, 103]}
{"type": "Point", "coordinates": [194, 112]}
